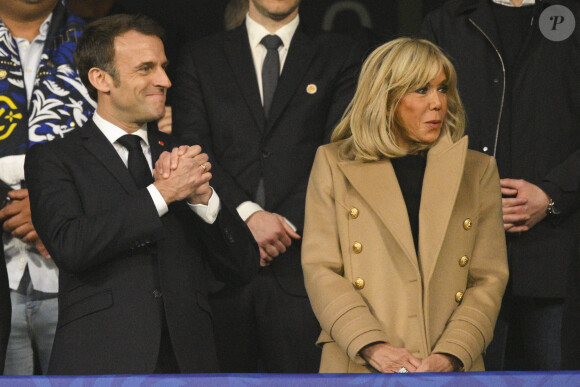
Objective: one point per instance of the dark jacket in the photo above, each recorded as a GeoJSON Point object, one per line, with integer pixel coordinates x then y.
{"type": "Point", "coordinates": [124, 269]}
{"type": "Point", "coordinates": [217, 104]}
{"type": "Point", "coordinates": [544, 132]}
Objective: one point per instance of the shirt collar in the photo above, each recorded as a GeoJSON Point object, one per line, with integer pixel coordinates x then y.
{"type": "Point", "coordinates": [507, 3]}
{"type": "Point", "coordinates": [113, 132]}
{"type": "Point", "coordinates": [44, 28]}
{"type": "Point", "coordinates": [256, 31]}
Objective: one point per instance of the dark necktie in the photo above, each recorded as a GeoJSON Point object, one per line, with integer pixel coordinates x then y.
{"type": "Point", "coordinates": [270, 70]}
{"type": "Point", "coordinates": [137, 164]}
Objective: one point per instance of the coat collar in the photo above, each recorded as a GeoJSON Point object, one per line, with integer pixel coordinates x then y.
{"type": "Point", "coordinates": [239, 55]}
{"type": "Point", "coordinates": [96, 143]}
{"type": "Point", "coordinates": [300, 55]}
{"type": "Point", "coordinates": [445, 164]}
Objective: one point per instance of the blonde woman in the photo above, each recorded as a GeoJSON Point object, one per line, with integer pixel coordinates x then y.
{"type": "Point", "coordinates": [404, 253]}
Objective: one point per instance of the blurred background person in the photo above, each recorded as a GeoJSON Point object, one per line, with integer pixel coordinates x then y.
{"type": "Point", "coordinates": [235, 14]}
{"type": "Point", "coordinates": [404, 253]}
{"type": "Point", "coordinates": [5, 311]}
{"type": "Point", "coordinates": [260, 99]}
{"type": "Point", "coordinates": [518, 74]}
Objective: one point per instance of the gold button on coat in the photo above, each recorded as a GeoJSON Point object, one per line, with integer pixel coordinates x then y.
{"type": "Point", "coordinates": [463, 260]}
{"type": "Point", "coordinates": [3, 74]}
{"type": "Point", "coordinates": [458, 297]}
{"type": "Point", "coordinates": [356, 247]}
{"type": "Point", "coordinates": [359, 283]}
{"type": "Point", "coordinates": [353, 213]}
{"type": "Point", "coordinates": [467, 224]}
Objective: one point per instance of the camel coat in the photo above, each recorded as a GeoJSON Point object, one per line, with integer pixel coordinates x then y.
{"type": "Point", "coordinates": [364, 279]}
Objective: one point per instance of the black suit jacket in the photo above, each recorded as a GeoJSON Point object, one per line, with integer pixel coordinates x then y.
{"type": "Point", "coordinates": [217, 104]}
{"type": "Point", "coordinates": [120, 263]}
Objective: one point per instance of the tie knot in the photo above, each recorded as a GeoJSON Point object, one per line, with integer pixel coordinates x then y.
{"type": "Point", "coordinates": [130, 141]}
{"type": "Point", "coordinates": [271, 42]}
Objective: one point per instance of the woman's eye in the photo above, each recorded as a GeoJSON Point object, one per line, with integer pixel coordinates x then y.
{"type": "Point", "coordinates": [421, 90]}
{"type": "Point", "coordinates": [443, 89]}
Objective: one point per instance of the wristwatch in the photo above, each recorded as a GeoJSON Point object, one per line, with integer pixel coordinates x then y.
{"type": "Point", "coordinates": [552, 210]}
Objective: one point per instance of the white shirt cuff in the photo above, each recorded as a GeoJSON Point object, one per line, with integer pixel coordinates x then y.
{"type": "Point", "coordinates": [12, 170]}
{"type": "Point", "coordinates": [247, 209]}
{"type": "Point", "coordinates": [158, 200]}
{"type": "Point", "coordinates": [210, 212]}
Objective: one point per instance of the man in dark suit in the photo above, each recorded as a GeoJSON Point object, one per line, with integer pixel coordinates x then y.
{"type": "Point", "coordinates": [130, 249]}
{"type": "Point", "coordinates": [261, 99]}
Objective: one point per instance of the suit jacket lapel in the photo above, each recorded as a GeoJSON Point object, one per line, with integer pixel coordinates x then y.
{"type": "Point", "coordinates": [377, 183]}
{"type": "Point", "coordinates": [481, 14]}
{"type": "Point", "coordinates": [297, 63]}
{"type": "Point", "coordinates": [445, 164]}
{"type": "Point", "coordinates": [240, 59]}
{"type": "Point", "coordinates": [156, 144]}
{"type": "Point", "coordinates": [96, 143]}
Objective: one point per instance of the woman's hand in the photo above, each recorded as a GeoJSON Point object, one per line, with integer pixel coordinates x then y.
{"type": "Point", "coordinates": [387, 358]}
{"type": "Point", "coordinates": [438, 362]}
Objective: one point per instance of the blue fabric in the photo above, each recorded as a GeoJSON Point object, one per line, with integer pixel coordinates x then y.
{"type": "Point", "coordinates": [496, 379]}
{"type": "Point", "coordinates": [59, 103]}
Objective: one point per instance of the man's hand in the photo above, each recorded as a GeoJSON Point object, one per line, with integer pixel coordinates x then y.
{"type": "Point", "coordinates": [387, 358]}
{"type": "Point", "coordinates": [438, 362]}
{"type": "Point", "coordinates": [526, 208]}
{"type": "Point", "coordinates": [272, 233]}
{"type": "Point", "coordinates": [188, 180]}
{"type": "Point", "coordinates": [165, 123]}
{"type": "Point", "coordinates": [17, 220]}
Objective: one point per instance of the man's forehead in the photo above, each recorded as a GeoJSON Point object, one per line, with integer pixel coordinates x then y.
{"type": "Point", "coordinates": [140, 46]}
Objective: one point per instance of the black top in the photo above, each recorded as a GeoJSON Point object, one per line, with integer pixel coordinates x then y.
{"type": "Point", "coordinates": [513, 26]}
{"type": "Point", "coordinates": [410, 171]}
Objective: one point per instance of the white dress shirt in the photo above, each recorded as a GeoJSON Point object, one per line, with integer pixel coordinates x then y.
{"type": "Point", "coordinates": [256, 33]}
{"type": "Point", "coordinates": [113, 133]}
{"type": "Point", "coordinates": [18, 254]}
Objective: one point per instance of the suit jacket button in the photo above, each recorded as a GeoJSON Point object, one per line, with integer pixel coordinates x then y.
{"type": "Point", "coordinates": [463, 261]}
{"type": "Point", "coordinates": [359, 283]}
{"type": "Point", "coordinates": [467, 224]}
{"type": "Point", "coordinates": [353, 213]}
{"type": "Point", "coordinates": [356, 247]}
{"type": "Point", "coordinates": [458, 297]}
{"type": "Point", "coordinates": [157, 293]}
{"type": "Point", "coordinates": [228, 235]}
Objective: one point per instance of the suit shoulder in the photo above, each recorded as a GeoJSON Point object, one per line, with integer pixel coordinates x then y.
{"type": "Point", "coordinates": [334, 42]}
{"type": "Point", "coordinates": [450, 8]}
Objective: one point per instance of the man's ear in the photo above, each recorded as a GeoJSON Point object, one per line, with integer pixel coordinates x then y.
{"type": "Point", "coordinates": [100, 79]}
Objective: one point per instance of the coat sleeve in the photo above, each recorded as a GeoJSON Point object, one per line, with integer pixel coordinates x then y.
{"type": "Point", "coordinates": [470, 328]}
{"type": "Point", "coordinates": [341, 311]}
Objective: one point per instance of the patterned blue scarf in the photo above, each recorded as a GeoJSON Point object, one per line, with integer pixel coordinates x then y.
{"type": "Point", "coordinates": [59, 102]}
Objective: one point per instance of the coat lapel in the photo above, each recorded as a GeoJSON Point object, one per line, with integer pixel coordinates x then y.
{"type": "Point", "coordinates": [96, 143]}
{"type": "Point", "coordinates": [445, 164]}
{"type": "Point", "coordinates": [237, 48]}
{"type": "Point", "coordinates": [481, 15]}
{"type": "Point", "coordinates": [377, 184]}
{"type": "Point", "coordinates": [297, 63]}
{"type": "Point", "coordinates": [156, 144]}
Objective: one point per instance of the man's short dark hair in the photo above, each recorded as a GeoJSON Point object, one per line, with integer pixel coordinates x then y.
{"type": "Point", "coordinates": [96, 47]}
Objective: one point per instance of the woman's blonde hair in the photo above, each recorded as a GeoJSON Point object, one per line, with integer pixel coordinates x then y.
{"type": "Point", "coordinates": [369, 125]}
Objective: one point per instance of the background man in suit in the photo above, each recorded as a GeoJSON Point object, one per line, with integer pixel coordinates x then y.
{"type": "Point", "coordinates": [130, 249]}
{"type": "Point", "coordinates": [261, 99]}
{"type": "Point", "coordinates": [41, 98]}
{"type": "Point", "coordinates": [520, 89]}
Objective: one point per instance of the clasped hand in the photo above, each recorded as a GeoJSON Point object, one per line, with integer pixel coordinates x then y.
{"type": "Point", "coordinates": [183, 173]}
{"type": "Point", "coordinates": [18, 222]}
{"type": "Point", "coordinates": [387, 358]}
{"type": "Point", "coordinates": [525, 207]}
{"type": "Point", "coordinates": [272, 233]}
